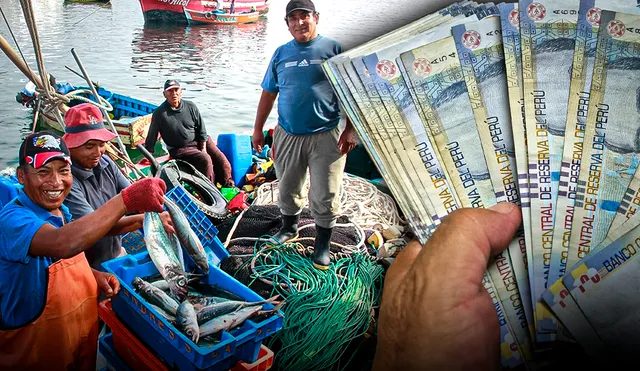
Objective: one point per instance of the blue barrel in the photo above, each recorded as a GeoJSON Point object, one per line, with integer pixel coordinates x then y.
{"type": "Point", "coordinates": [237, 148]}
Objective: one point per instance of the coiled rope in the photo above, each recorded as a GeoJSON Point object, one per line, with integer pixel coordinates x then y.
{"type": "Point", "coordinates": [325, 310]}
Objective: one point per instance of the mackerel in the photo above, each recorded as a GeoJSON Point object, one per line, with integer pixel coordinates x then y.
{"type": "Point", "coordinates": [162, 252]}
{"type": "Point", "coordinates": [234, 319]}
{"type": "Point", "coordinates": [187, 322]}
{"type": "Point", "coordinates": [188, 239]}
{"type": "Point", "coordinates": [218, 309]}
{"type": "Point", "coordinates": [155, 296]}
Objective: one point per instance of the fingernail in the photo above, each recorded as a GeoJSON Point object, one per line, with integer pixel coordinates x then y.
{"type": "Point", "coordinates": [503, 207]}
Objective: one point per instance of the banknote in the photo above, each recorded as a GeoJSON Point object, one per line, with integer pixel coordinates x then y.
{"type": "Point", "coordinates": [510, 356]}
{"type": "Point", "coordinates": [436, 78]}
{"type": "Point", "coordinates": [577, 106]}
{"type": "Point", "coordinates": [510, 22]}
{"type": "Point", "coordinates": [479, 46]}
{"type": "Point", "coordinates": [567, 311]}
{"type": "Point", "coordinates": [547, 30]}
{"type": "Point", "coordinates": [629, 203]}
{"type": "Point", "coordinates": [611, 148]}
{"type": "Point", "coordinates": [605, 286]}
{"type": "Point", "coordinates": [352, 94]}
{"type": "Point", "coordinates": [405, 129]}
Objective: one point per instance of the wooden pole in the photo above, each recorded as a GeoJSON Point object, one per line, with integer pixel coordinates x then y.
{"type": "Point", "coordinates": [22, 66]}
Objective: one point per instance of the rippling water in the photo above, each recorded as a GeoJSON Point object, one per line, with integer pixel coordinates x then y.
{"type": "Point", "coordinates": [220, 67]}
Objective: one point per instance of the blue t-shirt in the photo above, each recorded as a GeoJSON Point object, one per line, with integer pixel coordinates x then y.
{"type": "Point", "coordinates": [306, 101]}
{"type": "Point", "coordinates": [9, 188]}
{"type": "Point", "coordinates": [23, 278]}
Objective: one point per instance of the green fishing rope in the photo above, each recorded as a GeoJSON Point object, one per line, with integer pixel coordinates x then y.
{"type": "Point", "coordinates": [325, 310]}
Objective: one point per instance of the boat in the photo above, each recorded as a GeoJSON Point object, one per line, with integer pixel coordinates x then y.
{"type": "Point", "coordinates": [172, 11]}
{"type": "Point", "coordinates": [194, 16]}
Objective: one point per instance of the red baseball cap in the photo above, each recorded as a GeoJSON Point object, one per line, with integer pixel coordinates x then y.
{"type": "Point", "coordinates": [84, 122]}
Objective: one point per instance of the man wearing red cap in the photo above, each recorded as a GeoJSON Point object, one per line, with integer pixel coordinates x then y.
{"type": "Point", "coordinates": [96, 179]}
{"type": "Point", "coordinates": [307, 136]}
{"type": "Point", "coordinates": [179, 123]}
{"type": "Point", "coordinates": [48, 292]}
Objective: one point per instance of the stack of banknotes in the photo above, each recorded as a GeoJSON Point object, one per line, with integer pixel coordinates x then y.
{"type": "Point", "coordinates": [536, 103]}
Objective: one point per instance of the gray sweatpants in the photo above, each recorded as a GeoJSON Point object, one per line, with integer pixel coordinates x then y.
{"type": "Point", "coordinates": [293, 154]}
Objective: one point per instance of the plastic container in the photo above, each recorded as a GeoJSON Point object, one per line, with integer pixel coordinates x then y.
{"type": "Point", "coordinates": [237, 149]}
{"type": "Point", "coordinates": [105, 347]}
{"type": "Point", "coordinates": [264, 362]}
{"type": "Point", "coordinates": [242, 343]}
{"type": "Point", "coordinates": [201, 225]}
{"type": "Point", "coordinates": [129, 349]}
{"type": "Point", "coordinates": [133, 242]}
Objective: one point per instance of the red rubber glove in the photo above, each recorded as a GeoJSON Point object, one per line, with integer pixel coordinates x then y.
{"type": "Point", "coordinates": [145, 195]}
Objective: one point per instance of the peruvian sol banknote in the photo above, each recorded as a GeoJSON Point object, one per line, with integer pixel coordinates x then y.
{"type": "Point", "coordinates": [480, 51]}
{"type": "Point", "coordinates": [437, 80]}
{"type": "Point", "coordinates": [612, 135]}
{"type": "Point", "coordinates": [605, 286]}
{"type": "Point", "coordinates": [581, 72]}
{"type": "Point", "coordinates": [547, 31]}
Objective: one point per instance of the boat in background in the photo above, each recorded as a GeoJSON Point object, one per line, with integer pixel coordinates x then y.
{"type": "Point", "coordinates": [172, 11]}
{"type": "Point", "coordinates": [198, 17]}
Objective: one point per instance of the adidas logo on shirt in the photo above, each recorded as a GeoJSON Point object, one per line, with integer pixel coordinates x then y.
{"type": "Point", "coordinates": [303, 63]}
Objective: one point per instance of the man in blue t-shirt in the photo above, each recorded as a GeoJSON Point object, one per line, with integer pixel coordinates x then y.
{"type": "Point", "coordinates": [307, 136]}
{"type": "Point", "coordinates": [48, 291]}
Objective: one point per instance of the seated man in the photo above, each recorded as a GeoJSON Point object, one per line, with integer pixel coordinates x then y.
{"type": "Point", "coordinates": [179, 123]}
{"type": "Point", "coordinates": [48, 292]}
{"type": "Point", "coordinates": [96, 179]}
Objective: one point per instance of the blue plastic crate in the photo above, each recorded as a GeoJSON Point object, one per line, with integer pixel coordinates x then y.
{"type": "Point", "coordinates": [201, 225]}
{"type": "Point", "coordinates": [133, 242]}
{"type": "Point", "coordinates": [170, 344]}
{"type": "Point", "coordinates": [105, 346]}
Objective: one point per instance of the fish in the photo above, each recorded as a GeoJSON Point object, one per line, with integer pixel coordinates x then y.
{"type": "Point", "coordinates": [214, 290]}
{"type": "Point", "coordinates": [234, 319]}
{"type": "Point", "coordinates": [187, 322]}
{"type": "Point", "coordinates": [155, 296]}
{"type": "Point", "coordinates": [187, 237]}
{"type": "Point", "coordinates": [161, 284]}
{"type": "Point", "coordinates": [205, 314]}
{"type": "Point", "coordinates": [162, 252]}
{"type": "Point", "coordinates": [164, 314]}
{"type": "Point", "coordinates": [205, 301]}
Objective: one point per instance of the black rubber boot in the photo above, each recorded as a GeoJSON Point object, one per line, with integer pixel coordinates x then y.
{"type": "Point", "coordinates": [289, 228]}
{"type": "Point", "coordinates": [321, 258]}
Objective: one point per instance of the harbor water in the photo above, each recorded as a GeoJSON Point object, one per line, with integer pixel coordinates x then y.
{"type": "Point", "coordinates": [219, 66]}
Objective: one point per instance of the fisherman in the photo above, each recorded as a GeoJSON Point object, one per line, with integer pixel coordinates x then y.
{"type": "Point", "coordinates": [48, 292]}
{"type": "Point", "coordinates": [307, 135]}
{"type": "Point", "coordinates": [97, 179]}
{"type": "Point", "coordinates": [180, 125]}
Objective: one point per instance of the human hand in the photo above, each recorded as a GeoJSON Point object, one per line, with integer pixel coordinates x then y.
{"type": "Point", "coordinates": [167, 222]}
{"type": "Point", "coordinates": [145, 195]}
{"type": "Point", "coordinates": [258, 140]}
{"type": "Point", "coordinates": [347, 140]}
{"type": "Point", "coordinates": [435, 313]}
{"type": "Point", "coordinates": [107, 282]}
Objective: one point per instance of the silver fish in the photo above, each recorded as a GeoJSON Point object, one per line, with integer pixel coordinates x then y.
{"type": "Point", "coordinates": [205, 301]}
{"type": "Point", "coordinates": [187, 322]}
{"type": "Point", "coordinates": [161, 284]}
{"type": "Point", "coordinates": [164, 314]}
{"type": "Point", "coordinates": [155, 296]}
{"type": "Point", "coordinates": [162, 253]}
{"type": "Point", "coordinates": [205, 314]}
{"type": "Point", "coordinates": [234, 319]}
{"type": "Point", "coordinates": [188, 239]}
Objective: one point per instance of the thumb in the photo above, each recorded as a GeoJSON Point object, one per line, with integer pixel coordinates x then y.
{"type": "Point", "coordinates": [400, 266]}
{"type": "Point", "coordinates": [460, 248]}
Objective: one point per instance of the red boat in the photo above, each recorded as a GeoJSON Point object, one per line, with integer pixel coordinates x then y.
{"type": "Point", "coordinates": [172, 10]}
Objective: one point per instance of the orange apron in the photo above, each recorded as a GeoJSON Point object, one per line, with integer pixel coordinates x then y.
{"type": "Point", "coordinates": [65, 336]}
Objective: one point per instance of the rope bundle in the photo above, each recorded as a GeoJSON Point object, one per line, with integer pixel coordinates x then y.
{"type": "Point", "coordinates": [325, 310]}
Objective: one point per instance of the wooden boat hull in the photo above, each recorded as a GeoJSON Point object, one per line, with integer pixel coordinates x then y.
{"type": "Point", "coordinates": [200, 17]}
{"type": "Point", "coordinates": [172, 11]}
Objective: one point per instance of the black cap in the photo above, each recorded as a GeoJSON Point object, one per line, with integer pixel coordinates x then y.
{"type": "Point", "coordinates": [300, 5]}
{"type": "Point", "coordinates": [39, 148]}
{"type": "Point", "coordinates": [171, 84]}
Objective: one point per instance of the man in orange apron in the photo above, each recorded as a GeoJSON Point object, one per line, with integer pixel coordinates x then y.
{"type": "Point", "coordinates": [48, 292]}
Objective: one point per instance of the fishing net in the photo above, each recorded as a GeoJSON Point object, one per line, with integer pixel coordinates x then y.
{"type": "Point", "coordinates": [329, 315]}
